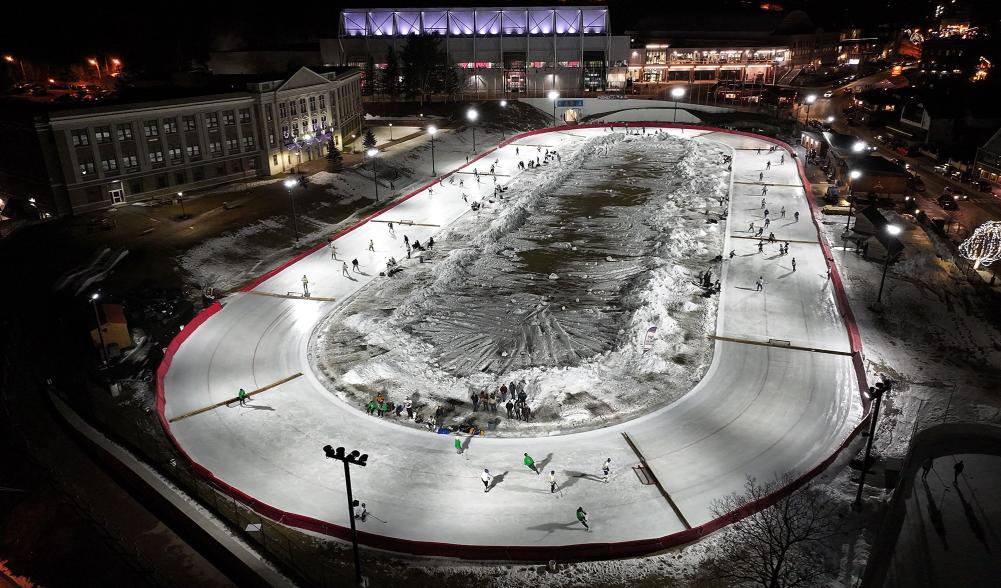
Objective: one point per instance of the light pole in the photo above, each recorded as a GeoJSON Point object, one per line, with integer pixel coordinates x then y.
{"type": "Point", "coordinates": [375, 178]}
{"type": "Point", "coordinates": [472, 115]}
{"type": "Point", "coordinates": [180, 200]}
{"type": "Point", "coordinates": [893, 231]}
{"type": "Point", "coordinates": [96, 64]}
{"type": "Point", "coordinates": [100, 334]}
{"type": "Point", "coordinates": [677, 93]}
{"type": "Point", "coordinates": [503, 104]}
{"type": "Point", "coordinates": [875, 393]}
{"type": "Point", "coordinates": [118, 65]}
{"type": "Point", "coordinates": [432, 130]}
{"type": "Point", "coordinates": [810, 99]}
{"type": "Point", "coordinates": [10, 59]}
{"type": "Point", "coordinates": [390, 131]}
{"type": "Point", "coordinates": [359, 460]}
{"type": "Point", "coordinates": [852, 176]}
{"type": "Point", "coordinates": [554, 95]}
{"type": "Point", "coordinates": [289, 184]}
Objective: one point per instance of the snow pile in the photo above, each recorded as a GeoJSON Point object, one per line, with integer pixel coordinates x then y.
{"type": "Point", "coordinates": [621, 224]}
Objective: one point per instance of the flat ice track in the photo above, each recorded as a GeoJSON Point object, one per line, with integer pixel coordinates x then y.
{"type": "Point", "coordinates": [781, 396]}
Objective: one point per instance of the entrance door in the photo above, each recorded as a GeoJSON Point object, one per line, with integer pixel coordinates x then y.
{"type": "Point", "coordinates": [117, 196]}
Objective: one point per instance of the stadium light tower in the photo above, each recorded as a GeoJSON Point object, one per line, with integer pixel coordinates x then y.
{"type": "Point", "coordinates": [358, 459]}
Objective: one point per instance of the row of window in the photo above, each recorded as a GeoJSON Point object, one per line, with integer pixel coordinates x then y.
{"type": "Point", "coordinates": [139, 185]}
{"type": "Point", "coordinates": [154, 128]}
{"type": "Point", "coordinates": [174, 153]}
{"type": "Point", "coordinates": [294, 107]}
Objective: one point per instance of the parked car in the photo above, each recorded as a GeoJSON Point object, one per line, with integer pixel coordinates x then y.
{"type": "Point", "coordinates": [983, 186]}
{"type": "Point", "coordinates": [941, 169]}
{"type": "Point", "coordinates": [948, 202]}
{"type": "Point", "coordinates": [828, 93]}
{"type": "Point", "coordinates": [916, 184]}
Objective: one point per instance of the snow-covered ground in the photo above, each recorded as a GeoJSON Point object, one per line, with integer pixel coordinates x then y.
{"type": "Point", "coordinates": [557, 287]}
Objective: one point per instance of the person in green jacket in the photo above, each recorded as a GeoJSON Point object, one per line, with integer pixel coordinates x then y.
{"type": "Point", "coordinates": [242, 395]}
{"type": "Point", "coordinates": [582, 517]}
{"type": "Point", "coordinates": [530, 464]}
{"type": "Point", "coordinates": [458, 445]}
{"type": "Point", "coordinates": [372, 405]}
{"type": "Point", "coordinates": [383, 408]}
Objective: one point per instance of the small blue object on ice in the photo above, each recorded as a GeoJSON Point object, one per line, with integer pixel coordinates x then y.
{"type": "Point", "coordinates": [444, 431]}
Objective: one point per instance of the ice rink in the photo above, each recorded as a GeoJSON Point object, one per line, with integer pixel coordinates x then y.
{"type": "Point", "coordinates": [780, 395]}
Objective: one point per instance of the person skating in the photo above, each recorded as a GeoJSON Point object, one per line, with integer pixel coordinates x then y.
{"type": "Point", "coordinates": [530, 464]}
{"type": "Point", "coordinates": [786, 248]}
{"type": "Point", "coordinates": [391, 231]}
{"type": "Point", "coordinates": [510, 409]}
{"type": "Point", "coordinates": [582, 517]}
{"type": "Point", "coordinates": [796, 216]}
{"type": "Point", "coordinates": [361, 513]}
{"type": "Point", "coordinates": [305, 286]}
{"type": "Point", "coordinates": [732, 253]}
{"type": "Point", "coordinates": [750, 228]}
{"type": "Point", "coordinates": [333, 251]}
{"type": "Point", "coordinates": [242, 396]}
{"type": "Point", "coordinates": [430, 242]}
{"type": "Point", "coordinates": [771, 237]}
{"type": "Point", "coordinates": [552, 482]}
{"type": "Point", "coordinates": [794, 264]}
{"type": "Point", "coordinates": [761, 246]}
{"type": "Point", "coordinates": [409, 406]}
{"type": "Point", "coordinates": [371, 245]}
{"type": "Point", "coordinates": [764, 189]}
{"type": "Point", "coordinates": [957, 470]}
{"type": "Point", "coordinates": [763, 205]}
{"type": "Point", "coordinates": [354, 265]}
{"type": "Point", "coordinates": [782, 213]}
{"type": "Point", "coordinates": [458, 445]}
{"type": "Point", "coordinates": [344, 269]}
{"type": "Point", "coordinates": [782, 159]}
{"type": "Point", "coordinates": [406, 240]}
{"type": "Point", "coordinates": [761, 176]}
{"type": "Point", "coordinates": [475, 398]}
{"type": "Point", "coordinates": [760, 284]}
{"type": "Point", "coordinates": [487, 479]}
{"type": "Point", "coordinates": [768, 164]}
{"type": "Point", "coordinates": [605, 469]}
{"type": "Point", "coordinates": [768, 221]}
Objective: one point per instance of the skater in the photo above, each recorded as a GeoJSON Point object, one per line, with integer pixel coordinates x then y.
{"type": "Point", "coordinates": [354, 265]}
{"type": "Point", "coordinates": [462, 182]}
{"type": "Point", "coordinates": [782, 159]}
{"type": "Point", "coordinates": [333, 251]}
{"type": "Point", "coordinates": [957, 470]}
{"type": "Point", "coordinates": [769, 164]}
{"type": "Point", "coordinates": [409, 406]}
{"type": "Point", "coordinates": [782, 213]}
{"type": "Point", "coordinates": [475, 398]}
{"type": "Point", "coordinates": [360, 511]}
{"type": "Point", "coordinates": [761, 176]}
{"type": "Point", "coordinates": [510, 409]}
{"type": "Point", "coordinates": [582, 517]}
{"type": "Point", "coordinates": [761, 246]}
{"type": "Point", "coordinates": [344, 268]}
{"type": "Point", "coordinates": [530, 464]}
{"type": "Point", "coordinates": [786, 248]}
{"type": "Point", "coordinates": [430, 192]}
{"type": "Point", "coordinates": [768, 221]}
{"type": "Point", "coordinates": [552, 482]}
{"type": "Point", "coordinates": [391, 231]}
{"type": "Point", "coordinates": [926, 468]}
{"type": "Point", "coordinates": [767, 212]}
{"type": "Point", "coordinates": [763, 205]}
{"type": "Point", "coordinates": [750, 228]}
{"type": "Point", "coordinates": [605, 468]}
{"type": "Point", "coordinates": [487, 479]}
{"type": "Point", "coordinates": [794, 264]}
{"type": "Point", "coordinates": [732, 253]}
{"type": "Point", "coordinates": [371, 245]}
{"type": "Point", "coordinates": [430, 242]}
{"type": "Point", "coordinates": [305, 286]}
{"type": "Point", "coordinates": [796, 216]}
{"type": "Point", "coordinates": [242, 395]}
{"type": "Point", "coordinates": [764, 189]}
{"type": "Point", "coordinates": [760, 284]}
{"type": "Point", "coordinates": [406, 240]}
{"type": "Point", "coordinates": [771, 237]}
{"type": "Point", "coordinates": [458, 445]}
{"type": "Point", "coordinates": [758, 150]}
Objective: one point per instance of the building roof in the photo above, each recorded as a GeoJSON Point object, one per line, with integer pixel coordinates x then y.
{"type": "Point", "coordinates": [875, 165]}
{"type": "Point", "coordinates": [879, 224]}
{"type": "Point", "coordinates": [994, 143]}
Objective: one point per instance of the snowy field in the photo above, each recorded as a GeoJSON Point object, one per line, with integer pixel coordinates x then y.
{"type": "Point", "coordinates": [554, 287]}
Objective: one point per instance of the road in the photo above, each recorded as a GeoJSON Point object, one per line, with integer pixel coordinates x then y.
{"type": "Point", "coordinates": [780, 396]}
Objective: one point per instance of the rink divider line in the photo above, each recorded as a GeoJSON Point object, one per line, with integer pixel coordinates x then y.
{"type": "Point", "coordinates": [292, 296]}
{"type": "Point", "coordinates": [780, 344]}
{"type": "Point", "coordinates": [776, 239]}
{"type": "Point", "coordinates": [405, 222]}
{"type": "Point", "coordinates": [575, 552]}
{"type": "Point", "coordinates": [767, 184]}
{"type": "Point", "coordinates": [236, 398]}
{"type": "Point", "coordinates": [656, 481]}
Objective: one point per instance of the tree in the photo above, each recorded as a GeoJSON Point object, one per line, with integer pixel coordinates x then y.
{"type": "Point", "coordinates": [984, 245]}
{"type": "Point", "coordinates": [369, 140]}
{"type": "Point", "coordinates": [368, 88]}
{"type": "Point", "coordinates": [335, 162]}
{"type": "Point", "coordinates": [391, 75]}
{"type": "Point", "coordinates": [450, 81]}
{"type": "Point", "coordinates": [422, 58]}
{"type": "Point", "coordinates": [777, 547]}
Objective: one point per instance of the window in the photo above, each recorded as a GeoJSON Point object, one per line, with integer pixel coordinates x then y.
{"type": "Point", "coordinates": [156, 156]}
{"type": "Point", "coordinates": [323, 121]}
{"type": "Point", "coordinates": [295, 129]}
{"type": "Point", "coordinates": [312, 103]}
{"type": "Point", "coordinates": [102, 134]}
{"type": "Point", "coordinates": [86, 167]}
{"type": "Point", "coordinates": [189, 123]}
{"type": "Point", "coordinates": [80, 138]}
{"type": "Point", "coordinates": [274, 158]}
{"type": "Point", "coordinates": [267, 112]}
{"type": "Point", "coordinates": [130, 161]}
{"type": "Point", "coordinates": [136, 187]}
{"type": "Point", "coordinates": [323, 101]}
{"type": "Point", "coordinates": [291, 107]}
{"type": "Point", "coordinates": [281, 111]}
{"type": "Point", "coordinates": [174, 153]}
{"type": "Point", "coordinates": [248, 142]}
{"type": "Point", "coordinates": [231, 144]}
{"type": "Point", "coordinates": [271, 139]}
{"type": "Point", "coordinates": [251, 164]}
{"type": "Point", "coordinates": [125, 132]}
{"type": "Point", "coordinates": [194, 151]}
{"type": "Point", "coordinates": [109, 165]}
{"type": "Point", "coordinates": [211, 121]}
{"type": "Point", "coordinates": [244, 115]}
{"type": "Point", "coordinates": [150, 129]}
{"type": "Point", "coordinates": [228, 118]}
{"type": "Point", "coordinates": [215, 148]}
{"type": "Point", "coordinates": [285, 131]}
{"type": "Point", "coordinates": [169, 126]}
{"type": "Point", "coordinates": [302, 105]}
{"type": "Point", "coordinates": [314, 123]}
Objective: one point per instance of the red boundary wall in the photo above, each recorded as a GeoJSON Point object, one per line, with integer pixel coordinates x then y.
{"type": "Point", "coordinates": [588, 551]}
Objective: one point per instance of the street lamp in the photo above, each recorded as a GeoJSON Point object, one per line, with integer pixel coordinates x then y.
{"type": "Point", "coordinates": [358, 459]}
{"type": "Point", "coordinates": [390, 131]}
{"type": "Point", "coordinates": [100, 334]}
{"type": "Point", "coordinates": [372, 152]}
{"type": "Point", "coordinates": [677, 93]}
{"type": "Point", "coordinates": [432, 130]}
{"type": "Point", "coordinates": [553, 95]}
{"type": "Point", "coordinates": [472, 115]}
{"type": "Point", "coordinates": [875, 393]}
{"type": "Point", "coordinates": [180, 200]}
{"type": "Point", "coordinates": [95, 63]}
{"type": "Point", "coordinates": [503, 104]}
{"type": "Point", "coordinates": [893, 231]}
{"type": "Point", "coordinates": [858, 147]}
{"type": "Point", "coordinates": [10, 59]}
{"type": "Point", "coordinates": [289, 184]}
{"type": "Point", "coordinates": [852, 176]}
{"type": "Point", "coordinates": [810, 99]}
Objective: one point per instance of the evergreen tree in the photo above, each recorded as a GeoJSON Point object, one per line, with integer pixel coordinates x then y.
{"type": "Point", "coordinates": [369, 140]}
{"type": "Point", "coordinates": [335, 162]}
{"type": "Point", "coordinates": [422, 59]}
{"type": "Point", "coordinates": [368, 88]}
{"type": "Point", "coordinates": [450, 81]}
{"type": "Point", "coordinates": [391, 75]}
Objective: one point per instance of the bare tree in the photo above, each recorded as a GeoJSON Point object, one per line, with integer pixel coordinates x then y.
{"type": "Point", "coordinates": [777, 547]}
